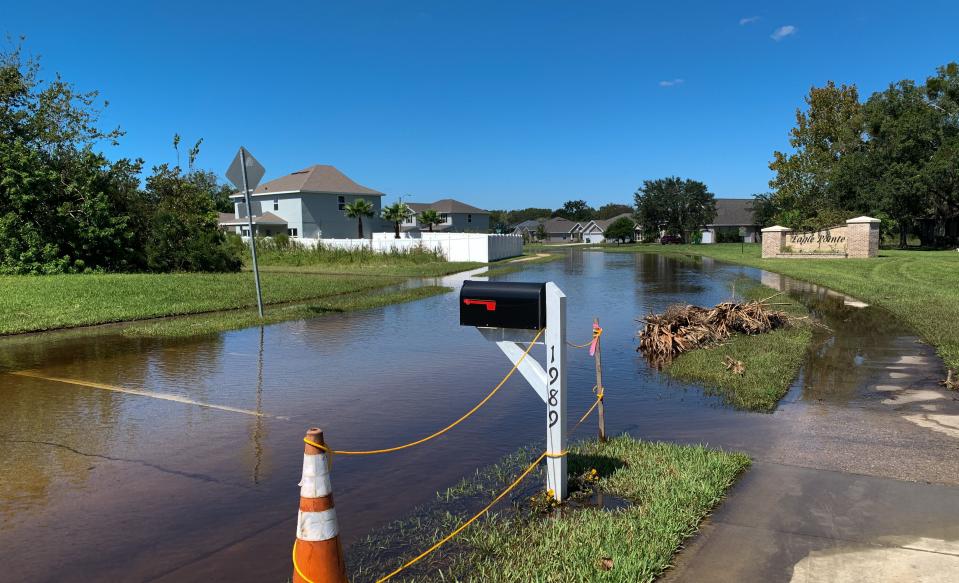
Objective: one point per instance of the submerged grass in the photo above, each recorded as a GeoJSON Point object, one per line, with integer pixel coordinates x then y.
{"type": "Point", "coordinates": [34, 303]}
{"type": "Point", "coordinates": [772, 359]}
{"type": "Point", "coordinates": [221, 321]}
{"type": "Point", "coordinates": [919, 287]}
{"type": "Point", "coordinates": [516, 265]}
{"type": "Point", "coordinates": [670, 488]}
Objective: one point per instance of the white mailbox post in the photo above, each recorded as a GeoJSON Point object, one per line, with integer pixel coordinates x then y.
{"type": "Point", "coordinates": [549, 383]}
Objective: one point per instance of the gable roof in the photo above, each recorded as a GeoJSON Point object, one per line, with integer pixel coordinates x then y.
{"type": "Point", "coordinates": [264, 219]}
{"type": "Point", "coordinates": [604, 223]}
{"type": "Point", "coordinates": [321, 178]}
{"type": "Point", "coordinates": [560, 225]}
{"type": "Point", "coordinates": [734, 212]}
{"type": "Point", "coordinates": [446, 205]}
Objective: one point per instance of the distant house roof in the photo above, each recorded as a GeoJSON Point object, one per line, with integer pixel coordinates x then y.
{"type": "Point", "coordinates": [560, 225]}
{"type": "Point", "coordinates": [226, 219]}
{"type": "Point", "coordinates": [321, 178]}
{"type": "Point", "coordinates": [604, 223]}
{"type": "Point", "coordinates": [446, 205]}
{"type": "Point", "coordinates": [734, 212]}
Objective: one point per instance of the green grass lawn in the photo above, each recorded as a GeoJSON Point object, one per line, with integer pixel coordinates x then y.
{"type": "Point", "coordinates": [919, 287]}
{"type": "Point", "coordinates": [33, 303]}
{"type": "Point", "coordinates": [668, 490]}
{"type": "Point", "coordinates": [772, 360]}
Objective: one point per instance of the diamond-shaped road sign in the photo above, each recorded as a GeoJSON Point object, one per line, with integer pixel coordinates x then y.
{"type": "Point", "coordinates": [254, 170]}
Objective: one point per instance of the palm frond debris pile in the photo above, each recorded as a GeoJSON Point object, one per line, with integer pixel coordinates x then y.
{"type": "Point", "coordinates": [682, 328]}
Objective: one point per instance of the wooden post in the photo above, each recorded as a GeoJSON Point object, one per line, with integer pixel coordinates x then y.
{"type": "Point", "coordinates": [599, 385]}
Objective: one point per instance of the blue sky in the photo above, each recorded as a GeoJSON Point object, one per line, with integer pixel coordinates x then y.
{"type": "Point", "coordinates": [499, 104]}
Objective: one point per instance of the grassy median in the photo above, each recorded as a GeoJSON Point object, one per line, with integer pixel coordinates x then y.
{"type": "Point", "coordinates": [771, 360]}
{"type": "Point", "coordinates": [33, 303]}
{"type": "Point", "coordinates": [235, 319]}
{"type": "Point", "coordinates": [662, 492]}
{"type": "Point", "coordinates": [920, 287]}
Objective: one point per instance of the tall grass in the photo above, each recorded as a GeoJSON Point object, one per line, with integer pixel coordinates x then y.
{"type": "Point", "coordinates": [666, 489]}
{"type": "Point", "coordinates": [282, 251]}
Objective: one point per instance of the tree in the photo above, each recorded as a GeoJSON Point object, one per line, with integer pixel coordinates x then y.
{"type": "Point", "coordinates": [183, 233]}
{"type": "Point", "coordinates": [527, 214]}
{"type": "Point", "coordinates": [498, 221]}
{"type": "Point", "coordinates": [430, 217]}
{"type": "Point", "coordinates": [622, 229]}
{"type": "Point", "coordinates": [541, 232]}
{"type": "Point", "coordinates": [675, 205]}
{"type": "Point", "coordinates": [396, 213]}
{"type": "Point", "coordinates": [575, 210]}
{"type": "Point", "coordinates": [358, 209]}
{"type": "Point", "coordinates": [63, 207]}
{"type": "Point", "coordinates": [831, 127]}
{"type": "Point", "coordinates": [610, 210]}
{"type": "Point", "coordinates": [765, 210]}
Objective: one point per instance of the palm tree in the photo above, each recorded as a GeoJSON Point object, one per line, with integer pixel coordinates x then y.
{"type": "Point", "coordinates": [358, 209]}
{"type": "Point", "coordinates": [430, 217]}
{"type": "Point", "coordinates": [396, 213]}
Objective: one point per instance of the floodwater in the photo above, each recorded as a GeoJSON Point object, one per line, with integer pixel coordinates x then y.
{"type": "Point", "coordinates": [102, 485]}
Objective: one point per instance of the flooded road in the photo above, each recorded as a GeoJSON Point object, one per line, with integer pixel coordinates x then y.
{"type": "Point", "coordinates": [102, 484]}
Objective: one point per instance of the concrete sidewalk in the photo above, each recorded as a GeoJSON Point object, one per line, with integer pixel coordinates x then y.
{"type": "Point", "coordinates": [786, 523]}
{"type": "Point", "coordinates": [855, 476]}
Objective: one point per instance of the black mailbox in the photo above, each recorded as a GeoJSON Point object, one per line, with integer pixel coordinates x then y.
{"type": "Point", "coordinates": [503, 304]}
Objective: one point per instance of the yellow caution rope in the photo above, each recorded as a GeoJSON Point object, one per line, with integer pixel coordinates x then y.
{"type": "Point", "coordinates": [597, 332]}
{"type": "Point", "coordinates": [445, 429]}
{"type": "Point", "coordinates": [460, 529]}
{"type": "Point", "coordinates": [475, 517]}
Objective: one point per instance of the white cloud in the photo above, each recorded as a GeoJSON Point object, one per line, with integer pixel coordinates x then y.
{"type": "Point", "coordinates": [748, 20]}
{"type": "Point", "coordinates": [671, 82]}
{"type": "Point", "coordinates": [782, 32]}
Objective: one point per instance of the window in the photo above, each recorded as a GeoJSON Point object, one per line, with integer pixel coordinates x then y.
{"type": "Point", "coordinates": [276, 203]}
{"type": "Point", "coordinates": [469, 218]}
{"type": "Point", "coordinates": [291, 232]}
{"type": "Point", "coordinates": [341, 202]}
{"type": "Point", "coordinates": [245, 231]}
{"type": "Point", "coordinates": [445, 217]}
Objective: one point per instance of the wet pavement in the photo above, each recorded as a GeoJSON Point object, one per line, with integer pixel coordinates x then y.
{"type": "Point", "coordinates": [105, 485]}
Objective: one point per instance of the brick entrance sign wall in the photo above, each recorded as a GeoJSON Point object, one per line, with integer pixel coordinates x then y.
{"type": "Point", "coordinates": [858, 238]}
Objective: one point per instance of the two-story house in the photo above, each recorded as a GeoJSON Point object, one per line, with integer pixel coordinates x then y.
{"type": "Point", "coordinates": [458, 217]}
{"type": "Point", "coordinates": [305, 204]}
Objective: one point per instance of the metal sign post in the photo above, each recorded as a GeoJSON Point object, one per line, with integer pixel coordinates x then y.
{"type": "Point", "coordinates": [549, 383]}
{"type": "Point", "coordinates": [245, 172]}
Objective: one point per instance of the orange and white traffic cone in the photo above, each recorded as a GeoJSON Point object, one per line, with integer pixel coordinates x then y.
{"type": "Point", "coordinates": [317, 555]}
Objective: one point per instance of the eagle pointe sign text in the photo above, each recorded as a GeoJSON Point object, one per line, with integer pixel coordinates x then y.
{"type": "Point", "coordinates": [858, 238]}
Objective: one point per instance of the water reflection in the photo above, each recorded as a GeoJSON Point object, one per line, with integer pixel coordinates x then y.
{"type": "Point", "coordinates": [205, 481]}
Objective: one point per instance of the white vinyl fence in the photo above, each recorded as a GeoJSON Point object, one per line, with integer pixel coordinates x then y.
{"type": "Point", "coordinates": [454, 246]}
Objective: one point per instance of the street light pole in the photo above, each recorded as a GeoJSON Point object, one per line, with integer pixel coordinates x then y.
{"type": "Point", "coordinates": [249, 222]}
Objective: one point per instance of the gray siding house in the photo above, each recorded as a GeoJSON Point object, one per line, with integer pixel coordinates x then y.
{"type": "Point", "coordinates": [557, 230]}
{"type": "Point", "coordinates": [458, 217]}
{"type": "Point", "coordinates": [731, 215]}
{"type": "Point", "coordinates": [306, 204]}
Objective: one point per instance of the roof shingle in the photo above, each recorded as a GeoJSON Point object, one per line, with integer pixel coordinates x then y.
{"type": "Point", "coordinates": [321, 178]}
